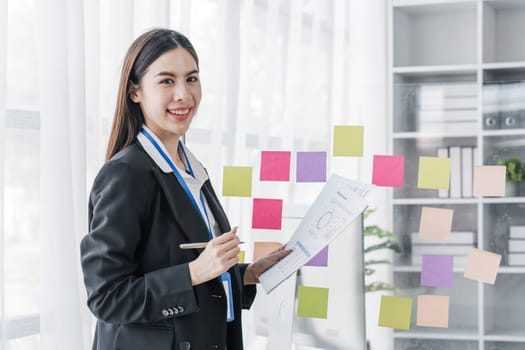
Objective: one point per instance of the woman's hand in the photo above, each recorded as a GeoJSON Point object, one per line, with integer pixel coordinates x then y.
{"type": "Point", "coordinates": [220, 254]}
{"type": "Point", "coordinates": [255, 269]}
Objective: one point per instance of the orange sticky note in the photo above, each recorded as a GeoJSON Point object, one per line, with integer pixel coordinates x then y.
{"type": "Point", "coordinates": [489, 180]}
{"type": "Point", "coordinates": [267, 213]}
{"type": "Point", "coordinates": [435, 223]}
{"type": "Point", "coordinates": [260, 249]}
{"type": "Point", "coordinates": [432, 311]}
{"type": "Point", "coordinates": [482, 266]}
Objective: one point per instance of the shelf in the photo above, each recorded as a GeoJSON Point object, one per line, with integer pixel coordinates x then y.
{"type": "Point", "coordinates": [447, 334]}
{"type": "Point", "coordinates": [437, 134]}
{"type": "Point", "coordinates": [511, 270]}
{"type": "Point", "coordinates": [401, 3]}
{"type": "Point", "coordinates": [446, 69]}
{"type": "Point", "coordinates": [409, 268]}
{"type": "Point", "coordinates": [507, 335]}
{"type": "Point", "coordinates": [434, 201]}
{"type": "Point", "coordinates": [503, 200]}
{"type": "Point", "coordinates": [504, 132]}
{"type": "Point", "coordinates": [504, 65]}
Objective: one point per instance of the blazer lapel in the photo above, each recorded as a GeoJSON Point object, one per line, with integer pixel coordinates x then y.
{"type": "Point", "coordinates": [185, 213]}
{"type": "Point", "coordinates": [215, 207]}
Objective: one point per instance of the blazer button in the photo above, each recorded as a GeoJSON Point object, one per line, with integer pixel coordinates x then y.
{"type": "Point", "coordinates": [165, 313]}
{"type": "Point", "coordinates": [175, 310]}
{"type": "Point", "coordinates": [181, 308]}
{"type": "Point", "coordinates": [171, 312]}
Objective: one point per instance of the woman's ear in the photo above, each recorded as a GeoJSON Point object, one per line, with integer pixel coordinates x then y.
{"type": "Point", "coordinates": [133, 92]}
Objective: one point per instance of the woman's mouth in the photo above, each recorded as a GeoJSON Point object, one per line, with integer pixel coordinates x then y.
{"type": "Point", "coordinates": [180, 113]}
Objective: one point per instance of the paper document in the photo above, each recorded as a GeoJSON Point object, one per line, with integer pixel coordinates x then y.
{"type": "Point", "coordinates": [340, 202]}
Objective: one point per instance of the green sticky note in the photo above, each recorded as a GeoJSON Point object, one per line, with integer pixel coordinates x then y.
{"type": "Point", "coordinates": [395, 312]}
{"type": "Point", "coordinates": [348, 141]}
{"type": "Point", "coordinates": [434, 173]}
{"type": "Point", "coordinates": [313, 302]}
{"type": "Point", "coordinates": [237, 181]}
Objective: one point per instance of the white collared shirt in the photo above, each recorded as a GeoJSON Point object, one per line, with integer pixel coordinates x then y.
{"type": "Point", "coordinates": [194, 183]}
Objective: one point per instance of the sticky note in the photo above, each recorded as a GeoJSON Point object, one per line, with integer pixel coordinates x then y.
{"type": "Point", "coordinates": [489, 180]}
{"type": "Point", "coordinates": [267, 213]}
{"type": "Point", "coordinates": [388, 171]}
{"type": "Point", "coordinates": [435, 223]}
{"type": "Point", "coordinates": [320, 259]}
{"type": "Point", "coordinates": [348, 141]}
{"type": "Point", "coordinates": [432, 310]}
{"type": "Point", "coordinates": [437, 270]}
{"type": "Point", "coordinates": [482, 266]}
{"type": "Point", "coordinates": [237, 181]}
{"type": "Point", "coordinates": [275, 166]}
{"type": "Point", "coordinates": [395, 312]}
{"type": "Point", "coordinates": [311, 167]}
{"type": "Point", "coordinates": [260, 249]}
{"type": "Point", "coordinates": [434, 173]}
{"type": "Point", "coordinates": [242, 257]}
{"type": "Point", "coordinates": [312, 302]}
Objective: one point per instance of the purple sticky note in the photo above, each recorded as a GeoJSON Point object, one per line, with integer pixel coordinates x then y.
{"type": "Point", "coordinates": [437, 270]}
{"type": "Point", "coordinates": [321, 259]}
{"type": "Point", "coordinates": [311, 167]}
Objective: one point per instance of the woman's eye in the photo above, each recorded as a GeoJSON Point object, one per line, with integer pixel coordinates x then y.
{"type": "Point", "coordinates": [192, 79]}
{"type": "Point", "coordinates": [167, 81]}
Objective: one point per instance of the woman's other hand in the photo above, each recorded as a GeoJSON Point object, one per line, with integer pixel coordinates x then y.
{"type": "Point", "coordinates": [255, 269]}
{"type": "Point", "coordinates": [220, 254]}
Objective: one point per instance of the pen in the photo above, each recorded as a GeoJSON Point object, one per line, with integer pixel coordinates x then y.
{"type": "Point", "coordinates": [198, 245]}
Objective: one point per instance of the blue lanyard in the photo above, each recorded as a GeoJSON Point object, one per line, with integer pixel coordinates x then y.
{"type": "Point", "coordinates": [180, 178]}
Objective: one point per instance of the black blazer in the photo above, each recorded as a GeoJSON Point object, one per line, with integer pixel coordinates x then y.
{"type": "Point", "coordinates": [136, 276]}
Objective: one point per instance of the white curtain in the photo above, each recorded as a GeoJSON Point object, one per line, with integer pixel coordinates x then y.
{"type": "Point", "coordinates": [64, 323]}
{"type": "Point", "coordinates": [276, 75]}
{"type": "Point", "coordinates": [3, 110]}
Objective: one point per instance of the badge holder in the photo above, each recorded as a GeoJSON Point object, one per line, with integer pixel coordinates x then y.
{"type": "Point", "coordinates": [227, 284]}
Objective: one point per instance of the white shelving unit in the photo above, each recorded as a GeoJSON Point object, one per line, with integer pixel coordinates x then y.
{"type": "Point", "coordinates": [479, 43]}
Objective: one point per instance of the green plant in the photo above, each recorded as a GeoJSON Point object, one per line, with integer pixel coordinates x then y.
{"type": "Point", "coordinates": [515, 170]}
{"type": "Point", "coordinates": [388, 242]}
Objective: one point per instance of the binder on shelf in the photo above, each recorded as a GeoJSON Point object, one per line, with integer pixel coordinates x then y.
{"type": "Point", "coordinates": [458, 260]}
{"type": "Point", "coordinates": [516, 259]}
{"type": "Point", "coordinates": [517, 245]}
{"type": "Point", "coordinates": [466, 171]}
{"type": "Point", "coordinates": [445, 249]}
{"type": "Point", "coordinates": [517, 232]}
{"type": "Point", "coordinates": [455, 171]}
{"type": "Point", "coordinates": [444, 127]}
{"type": "Point", "coordinates": [448, 90]}
{"type": "Point", "coordinates": [455, 237]}
{"type": "Point", "coordinates": [457, 115]}
{"type": "Point", "coordinates": [442, 152]}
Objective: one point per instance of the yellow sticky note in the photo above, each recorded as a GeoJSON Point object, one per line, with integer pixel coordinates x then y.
{"type": "Point", "coordinates": [482, 266]}
{"type": "Point", "coordinates": [237, 181]}
{"type": "Point", "coordinates": [435, 223]}
{"type": "Point", "coordinates": [313, 302]}
{"type": "Point", "coordinates": [395, 312]}
{"type": "Point", "coordinates": [348, 141]}
{"type": "Point", "coordinates": [242, 255]}
{"type": "Point", "coordinates": [489, 180]}
{"type": "Point", "coordinates": [432, 310]}
{"type": "Point", "coordinates": [434, 173]}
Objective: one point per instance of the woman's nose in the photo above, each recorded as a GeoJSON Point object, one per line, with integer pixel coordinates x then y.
{"type": "Point", "coordinates": [180, 92]}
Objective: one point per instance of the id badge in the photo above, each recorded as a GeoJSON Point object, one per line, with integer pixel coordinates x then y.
{"type": "Point", "coordinates": [227, 284]}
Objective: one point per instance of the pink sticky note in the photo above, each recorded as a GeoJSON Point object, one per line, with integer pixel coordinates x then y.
{"type": "Point", "coordinates": [482, 266]}
{"type": "Point", "coordinates": [388, 171]}
{"type": "Point", "coordinates": [275, 166]}
{"type": "Point", "coordinates": [267, 213]}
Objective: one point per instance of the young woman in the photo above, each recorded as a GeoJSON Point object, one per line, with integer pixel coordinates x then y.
{"type": "Point", "coordinates": [151, 196]}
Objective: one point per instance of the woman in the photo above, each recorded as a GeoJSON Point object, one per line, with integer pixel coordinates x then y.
{"type": "Point", "coordinates": [151, 196]}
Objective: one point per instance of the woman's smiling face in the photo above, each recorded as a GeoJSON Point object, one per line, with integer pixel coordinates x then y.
{"type": "Point", "coordinates": [169, 93]}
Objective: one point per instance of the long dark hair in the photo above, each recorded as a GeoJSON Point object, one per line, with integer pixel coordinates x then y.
{"type": "Point", "coordinates": [141, 54]}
